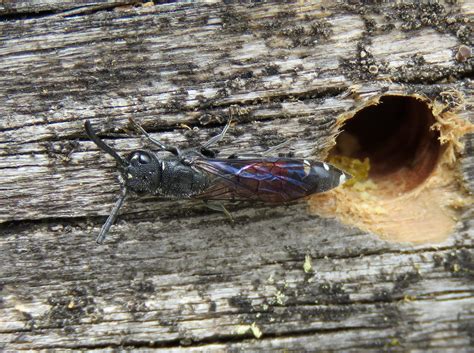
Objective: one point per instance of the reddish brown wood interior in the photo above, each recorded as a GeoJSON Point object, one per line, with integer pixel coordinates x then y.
{"type": "Point", "coordinates": [396, 136]}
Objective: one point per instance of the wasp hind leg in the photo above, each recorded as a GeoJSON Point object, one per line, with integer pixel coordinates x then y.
{"type": "Point", "coordinates": [262, 154]}
{"type": "Point", "coordinates": [160, 145]}
{"type": "Point", "coordinates": [216, 206]}
{"type": "Point", "coordinates": [277, 147]}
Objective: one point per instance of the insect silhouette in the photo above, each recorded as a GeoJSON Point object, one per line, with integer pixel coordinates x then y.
{"type": "Point", "coordinates": [196, 173]}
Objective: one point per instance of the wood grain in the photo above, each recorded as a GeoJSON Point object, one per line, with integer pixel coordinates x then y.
{"type": "Point", "coordinates": [174, 275]}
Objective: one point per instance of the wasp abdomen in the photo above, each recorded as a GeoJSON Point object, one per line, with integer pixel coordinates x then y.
{"type": "Point", "coordinates": [269, 180]}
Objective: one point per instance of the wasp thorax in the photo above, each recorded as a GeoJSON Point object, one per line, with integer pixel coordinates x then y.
{"type": "Point", "coordinates": [143, 173]}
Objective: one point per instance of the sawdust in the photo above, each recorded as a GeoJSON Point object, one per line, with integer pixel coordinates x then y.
{"type": "Point", "coordinates": [417, 204]}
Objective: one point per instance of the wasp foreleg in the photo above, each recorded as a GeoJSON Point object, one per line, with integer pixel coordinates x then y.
{"type": "Point", "coordinates": [217, 138]}
{"type": "Point", "coordinates": [162, 146]}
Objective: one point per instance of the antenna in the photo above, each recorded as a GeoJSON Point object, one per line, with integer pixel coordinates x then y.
{"type": "Point", "coordinates": [111, 219]}
{"type": "Point", "coordinates": [102, 145]}
{"type": "Point", "coordinates": [123, 192]}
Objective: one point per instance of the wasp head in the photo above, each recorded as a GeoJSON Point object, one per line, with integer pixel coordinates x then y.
{"type": "Point", "coordinates": [143, 172]}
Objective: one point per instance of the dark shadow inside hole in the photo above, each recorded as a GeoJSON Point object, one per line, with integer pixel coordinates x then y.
{"type": "Point", "coordinates": [397, 138]}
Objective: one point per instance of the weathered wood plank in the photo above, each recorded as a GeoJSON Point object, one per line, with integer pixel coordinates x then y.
{"type": "Point", "coordinates": [91, 298]}
{"type": "Point", "coordinates": [174, 275]}
{"type": "Point", "coordinates": [84, 72]}
{"type": "Point", "coordinates": [28, 8]}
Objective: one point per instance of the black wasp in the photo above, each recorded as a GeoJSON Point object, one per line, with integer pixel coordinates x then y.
{"type": "Point", "coordinates": [197, 173]}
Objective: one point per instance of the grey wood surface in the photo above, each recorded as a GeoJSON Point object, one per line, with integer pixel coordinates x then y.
{"type": "Point", "coordinates": [174, 275]}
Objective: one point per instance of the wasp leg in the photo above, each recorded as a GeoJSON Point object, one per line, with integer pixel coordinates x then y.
{"type": "Point", "coordinates": [219, 207]}
{"type": "Point", "coordinates": [263, 154]}
{"type": "Point", "coordinates": [217, 138]}
{"type": "Point", "coordinates": [162, 146]}
{"type": "Point", "coordinates": [277, 147]}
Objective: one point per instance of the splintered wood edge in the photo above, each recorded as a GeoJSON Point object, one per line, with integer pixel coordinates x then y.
{"type": "Point", "coordinates": [426, 214]}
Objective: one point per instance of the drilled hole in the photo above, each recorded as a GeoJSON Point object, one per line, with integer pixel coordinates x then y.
{"type": "Point", "coordinates": [391, 147]}
{"type": "Point", "coordinates": [396, 136]}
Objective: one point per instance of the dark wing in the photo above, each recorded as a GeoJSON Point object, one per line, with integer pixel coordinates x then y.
{"type": "Point", "coordinates": [267, 179]}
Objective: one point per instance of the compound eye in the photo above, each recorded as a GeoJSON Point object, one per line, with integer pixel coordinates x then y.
{"type": "Point", "coordinates": [144, 158]}
{"type": "Point", "coordinates": [141, 157]}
